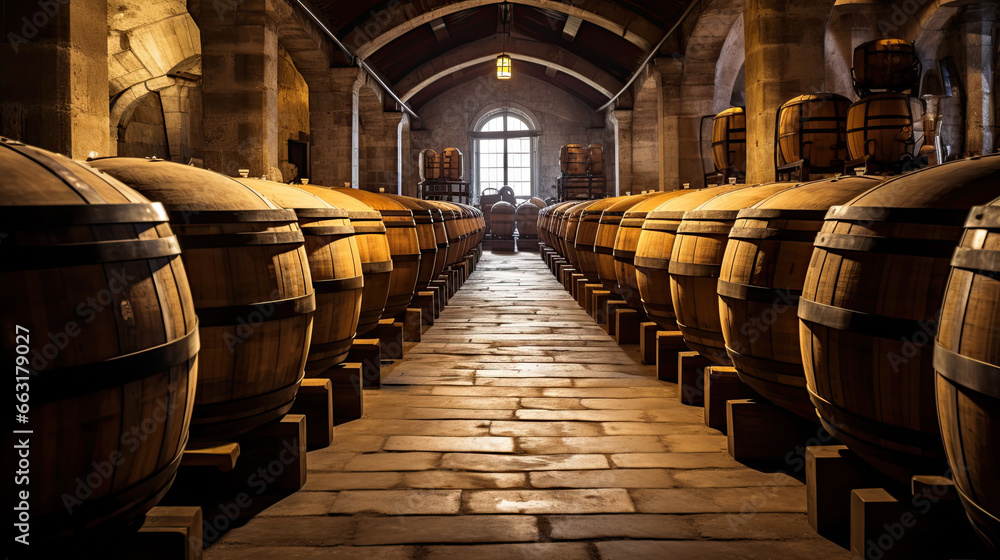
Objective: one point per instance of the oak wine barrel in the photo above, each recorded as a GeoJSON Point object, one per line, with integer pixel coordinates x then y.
{"type": "Point", "coordinates": [335, 265]}
{"type": "Point", "coordinates": [404, 246]}
{"type": "Point", "coordinates": [585, 241]}
{"type": "Point", "coordinates": [502, 220]}
{"type": "Point", "coordinates": [252, 287]}
{"type": "Point", "coordinates": [869, 305]}
{"type": "Point", "coordinates": [696, 263]}
{"type": "Point", "coordinates": [573, 159]}
{"type": "Point", "coordinates": [427, 238]}
{"type": "Point", "coordinates": [452, 218]}
{"type": "Point", "coordinates": [452, 164]}
{"type": "Point", "coordinates": [97, 310]}
{"type": "Point", "coordinates": [655, 245]}
{"type": "Point", "coordinates": [885, 65]}
{"type": "Point", "coordinates": [373, 250]}
{"type": "Point", "coordinates": [880, 127]}
{"type": "Point", "coordinates": [627, 241]}
{"type": "Point", "coordinates": [763, 271]}
{"type": "Point", "coordinates": [440, 236]}
{"type": "Point", "coordinates": [526, 218]}
{"type": "Point", "coordinates": [604, 244]}
{"type": "Point", "coordinates": [539, 203]}
{"type": "Point", "coordinates": [570, 225]}
{"type": "Point", "coordinates": [429, 165]}
{"type": "Point", "coordinates": [729, 140]}
{"type": "Point", "coordinates": [814, 128]}
{"type": "Point", "coordinates": [967, 361]}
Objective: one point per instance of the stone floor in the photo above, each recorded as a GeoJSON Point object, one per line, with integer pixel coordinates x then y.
{"type": "Point", "coordinates": [520, 427]}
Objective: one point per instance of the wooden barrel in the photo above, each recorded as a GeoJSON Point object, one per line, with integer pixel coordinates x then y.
{"type": "Point", "coordinates": [404, 246]}
{"type": "Point", "coordinates": [585, 241]}
{"type": "Point", "coordinates": [440, 236]}
{"type": "Point", "coordinates": [96, 304]}
{"type": "Point", "coordinates": [654, 247]}
{"type": "Point", "coordinates": [452, 217]}
{"type": "Point", "coordinates": [607, 231]}
{"type": "Point", "coordinates": [335, 265]}
{"type": "Point", "coordinates": [526, 218]}
{"type": "Point", "coordinates": [573, 159]}
{"type": "Point", "coordinates": [555, 226]}
{"type": "Point", "coordinates": [502, 220]}
{"type": "Point", "coordinates": [885, 65]}
{"type": "Point", "coordinates": [595, 159]}
{"type": "Point", "coordinates": [967, 360]}
{"type": "Point", "coordinates": [814, 128]}
{"type": "Point", "coordinates": [696, 263]}
{"type": "Point", "coordinates": [429, 165]}
{"type": "Point", "coordinates": [729, 140]}
{"type": "Point", "coordinates": [570, 225]}
{"type": "Point", "coordinates": [763, 271]}
{"type": "Point", "coordinates": [546, 226]}
{"type": "Point", "coordinates": [427, 238]}
{"type": "Point", "coordinates": [869, 306]}
{"type": "Point", "coordinates": [881, 128]}
{"type": "Point", "coordinates": [452, 163]}
{"type": "Point", "coordinates": [373, 249]}
{"type": "Point", "coordinates": [627, 241]}
{"type": "Point", "coordinates": [539, 203]}
{"type": "Point", "coordinates": [249, 274]}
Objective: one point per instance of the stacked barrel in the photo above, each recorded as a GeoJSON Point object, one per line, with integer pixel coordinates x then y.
{"type": "Point", "coordinates": [582, 169]}
{"type": "Point", "coordinates": [221, 296]}
{"type": "Point", "coordinates": [880, 124]}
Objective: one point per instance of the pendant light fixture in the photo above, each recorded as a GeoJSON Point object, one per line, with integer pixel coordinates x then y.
{"type": "Point", "coordinates": [504, 60]}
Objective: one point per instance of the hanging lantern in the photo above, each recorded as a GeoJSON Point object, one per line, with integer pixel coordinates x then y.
{"type": "Point", "coordinates": [503, 67]}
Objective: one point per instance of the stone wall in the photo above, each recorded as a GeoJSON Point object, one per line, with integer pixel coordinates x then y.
{"type": "Point", "coordinates": [378, 138]}
{"type": "Point", "coordinates": [293, 113]}
{"type": "Point", "coordinates": [564, 119]}
{"type": "Point", "coordinates": [645, 140]}
{"type": "Point", "coordinates": [143, 132]}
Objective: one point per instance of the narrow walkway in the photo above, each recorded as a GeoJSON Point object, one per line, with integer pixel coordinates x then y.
{"type": "Point", "coordinates": [520, 426]}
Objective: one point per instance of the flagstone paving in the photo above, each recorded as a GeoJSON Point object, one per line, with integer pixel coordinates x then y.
{"type": "Point", "coordinates": [518, 429]}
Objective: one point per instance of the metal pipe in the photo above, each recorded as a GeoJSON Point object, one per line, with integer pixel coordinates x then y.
{"type": "Point", "coordinates": [350, 56]}
{"type": "Point", "coordinates": [650, 56]}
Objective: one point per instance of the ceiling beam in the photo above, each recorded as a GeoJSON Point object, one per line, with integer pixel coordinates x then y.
{"type": "Point", "coordinates": [408, 15]}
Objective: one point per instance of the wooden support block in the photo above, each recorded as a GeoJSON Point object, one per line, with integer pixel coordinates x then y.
{"type": "Point", "coordinates": [575, 282]}
{"type": "Point", "coordinates": [588, 297]}
{"type": "Point", "coordinates": [412, 323]}
{"type": "Point", "coordinates": [503, 246]}
{"type": "Point", "coordinates": [441, 286]}
{"type": "Point", "coordinates": [348, 395]}
{"type": "Point", "coordinates": [832, 471]}
{"type": "Point", "coordinates": [691, 378]}
{"type": "Point", "coordinates": [315, 401]}
{"type": "Point", "coordinates": [647, 342]}
{"type": "Point", "coordinates": [611, 309]}
{"type": "Point", "coordinates": [279, 449]}
{"type": "Point", "coordinates": [368, 353]}
{"type": "Point", "coordinates": [722, 384]}
{"type": "Point", "coordinates": [627, 322]}
{"type": "Point", "coordinates": [579, 289]}
{"type": "Point", "coordinates": [391, 334]}
{"type": "Point", "coordinates": [555, 264]}
{"type": "Point", "coordinates": [527, 245]}
{"type": "Point", "coordinates": [761, 432]}
{"type": "Point", "coordinates": [669, 345]}
{"type": "Point", "coordinates": [167, 533]}
{"type": "Point", "coordinates": [564, 275]}
{"type": "Point", "coordinates": [599, 303]}
{"type": "Point", "coordinates": [221, 456]}
{"type": "Point", "coordinates": [424, 301]}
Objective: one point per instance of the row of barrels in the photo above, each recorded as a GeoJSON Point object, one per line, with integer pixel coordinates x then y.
{"type": "Point", "coordinates": [140, 294]}
{"type": "Point", "coordinates": [837, 299]}
{"type": "Point", "coordinates": [826, 130]}
{"type": "Point", "coordinates": [504, 219]}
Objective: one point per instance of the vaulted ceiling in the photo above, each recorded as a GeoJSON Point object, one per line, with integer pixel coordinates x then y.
{"type": "Point", "coordinates": [421, 48]}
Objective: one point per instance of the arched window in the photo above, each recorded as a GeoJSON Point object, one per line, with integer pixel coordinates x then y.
{"type": "Point", "coordinates": [504, 147]}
